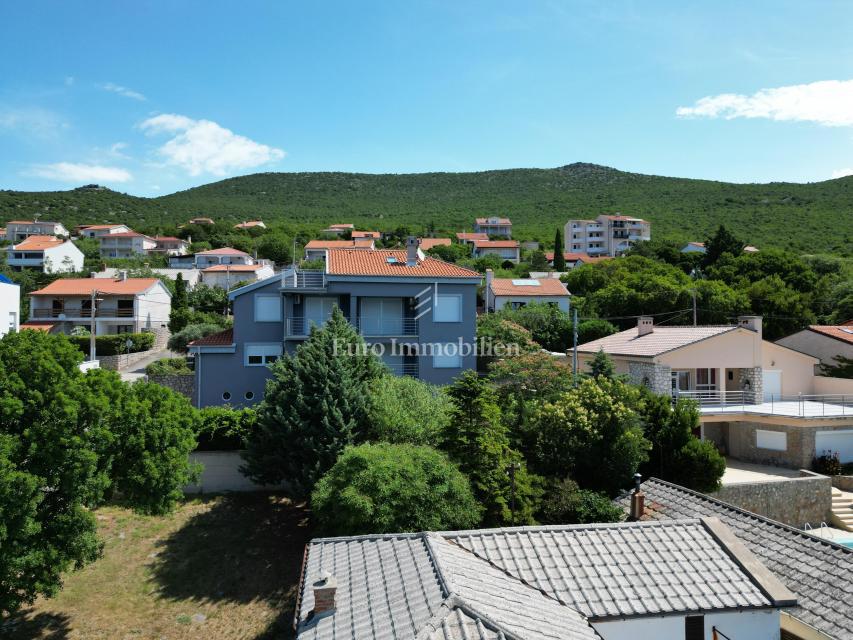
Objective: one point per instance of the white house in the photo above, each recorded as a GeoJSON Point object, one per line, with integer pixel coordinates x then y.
{"type": "Point", "coordinates": [250, 224]}
{"type": "Point", "coordinates": [98, 230]}
{"type": "Point", "coordinates": [123, 305]}
{"type": "Point", "coordinates": [125, 244]}
{"type": "Point", "coordinates": [10, 306]}
{"type": "Point", "coordinates": [694, 247]}
{"type": "Point", "coordinates": [210, 258]}
{"type": "Point", "coordinates": [225, 276]}
{"type": "Point", "coordinates": [505, 249]}
{"type": "Point", "coordinates": [338, 229]}
{"type": "Point", "coordinates": [17, 230]}
{"type": "Point", "coordinates": [170, 246]}
{"type": "Point", "coordinates": [493, 226]}
{"type": "Point", "coordinates": [519, 292]}
{"type": "Point", "coordinates": [45, 253]}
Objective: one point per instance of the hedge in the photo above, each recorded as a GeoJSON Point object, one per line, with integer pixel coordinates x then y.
{"type": "Point", "coordinates": [115, 344]}
{"type": "Point", "coordinates": [168, 367]}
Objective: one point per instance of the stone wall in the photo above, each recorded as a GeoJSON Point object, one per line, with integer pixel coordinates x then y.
{"type": "Point", "coordinates": [656, 377]}
{"type": "Point", "coordinates": [124, 360]}
{"type": "Point", "coordinates": [755, 378]}
{"type": "Point", "coordinates": [182, 383]}
{"type": "Point", "coordinates": [738, 440]}
{"type": "Point", "coordinates": [794, 501]}
{"type": "Point", "coordinates": [845, 483]}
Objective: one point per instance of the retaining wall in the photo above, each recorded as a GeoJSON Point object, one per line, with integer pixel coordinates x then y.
{"type": "Point", "coordinates": [794, 501]}
{"type": "Point", "coordinates": [222, 473]}
{"type": "Point", "coordinates": [845, 483]}
{"type": "Point", "coordinates": [182, 383]}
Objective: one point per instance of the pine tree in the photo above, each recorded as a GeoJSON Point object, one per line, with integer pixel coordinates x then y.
{"type": "Point", "coordinates": [559, 258]}
{"type": "Point", "coordinates": [316, 404]}
{"type": "Point", "coordinates": [723, 241]}
{"type": "Point", "coordinates": [478, 440]}
{"type": "Point", "coordinates": [601, 366]}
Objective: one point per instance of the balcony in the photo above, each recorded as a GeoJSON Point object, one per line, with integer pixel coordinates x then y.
{"type": "Point", "coordinates": [798, 406]}
{"type": "Point", "coordinates": [80, 312]}
{"type": "Point", "coordinates": [383, 327]}
{"type": "Point", "coordinates": [303, 280]}
{"type": "Point", "coordinates": [403, 368]}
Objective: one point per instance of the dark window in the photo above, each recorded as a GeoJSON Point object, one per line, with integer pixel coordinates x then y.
{"type": "Point", "coordinates": [249, 395]}
{"type": "Point", "coordinates": [256, 359]}
{"type": "Point", "coordinates": [226, 396]}
{"type": "Point", "coordinates": [694, 628]}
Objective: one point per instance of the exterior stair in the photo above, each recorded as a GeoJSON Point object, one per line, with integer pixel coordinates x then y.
{"type": "Point", "coordinates": [842, 509]}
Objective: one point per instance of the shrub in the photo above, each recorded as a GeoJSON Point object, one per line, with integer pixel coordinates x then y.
{"type": "Point", "coordinates": [224, 428]}
{"type": "Point", "coordinates": [406, 410]}
{"type": "Point", "coordinates": [698, 466]}
{"type": "Point", "coordinates": [168, 367]}
{"type": "Point", "coordinates": [389, 488]}
{"type": "Point", "coordinates": [179, 341]}
{"type": "Point", "coordinates": [566, 503]}
{"type": "Point", "coordinates": [828, 464]}
{"type": "Point", "coordinates": [115, 344]}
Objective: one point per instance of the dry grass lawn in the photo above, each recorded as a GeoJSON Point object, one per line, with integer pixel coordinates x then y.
{"type": "Point", "coordinates": [222, 567]}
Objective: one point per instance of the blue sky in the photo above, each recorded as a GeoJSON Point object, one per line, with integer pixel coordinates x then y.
{"type": "Point", "coordinates": [154, 97]}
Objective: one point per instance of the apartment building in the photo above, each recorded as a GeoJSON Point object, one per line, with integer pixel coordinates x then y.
{"type": "Point", "coordinates": [17, 230]}
{"type": "Point", "coordinates": [126, 244]}
{"type": "Point", "coordinates": [606, 235]}
{"type": "Point", "coordinates": [122, 305]}
{"type": "Point", "coordinates": [227, 276]}
{"type": "Point", "coordinates": [48, 254]}
{"type": "Point", "coordinates": [504, 249]}
{"type": "Point", "coordinates": [10, 306]}
{"type": "Point", "coordinates": [211, 258]}
{"type": "Point", "coordinates": [170, 246]}
{"type": "Point", "coordinates": [494, 226]}
{"type": "Point", "coordinates": [418, 311]}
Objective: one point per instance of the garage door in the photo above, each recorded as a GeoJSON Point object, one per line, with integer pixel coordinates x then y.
{"type": "Point", "coordinates": [771, 382]}
{"type": "Point", "coordinates": [840, 441]}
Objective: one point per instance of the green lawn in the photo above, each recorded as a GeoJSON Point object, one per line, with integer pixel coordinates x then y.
{"type": "Point", "coordinates": [219, 567]}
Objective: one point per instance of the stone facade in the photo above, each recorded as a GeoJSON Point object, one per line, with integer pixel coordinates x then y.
{"type": "Point", "coordinates": [739, 440]}
{"type": "Point", "coordinates": [656, 377]}
{"type": "Point", "coordinates": [794, 501]}
{"type": "Point", "coordinates": [124, 360]}
{"type": "Point", "coordinates": [182, 383]}
{"type": "Point", "coordinates": [753, 376]}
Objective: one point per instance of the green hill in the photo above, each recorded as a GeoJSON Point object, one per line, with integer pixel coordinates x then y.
{"type": "Point", "coordinates": [809, 218]}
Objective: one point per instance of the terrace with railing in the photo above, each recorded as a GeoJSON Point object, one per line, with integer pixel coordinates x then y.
{"type": "Point", "coordinates": [82, 312]}
{"type": "Point", "coordinates": [796, 406]}
{"type": "Point", "coordinates": [298, 279]}
{"type": "Point", "coordinates": [367, 326]}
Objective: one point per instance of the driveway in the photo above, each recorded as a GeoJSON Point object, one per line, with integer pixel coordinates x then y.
{"type": "Point", "coordinates": [738, 472]}
{"type": "Point", "coordinates": [137, 371]}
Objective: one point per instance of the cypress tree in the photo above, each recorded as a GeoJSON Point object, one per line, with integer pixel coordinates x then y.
{"type": "Point", "coordinates": [559, 258]}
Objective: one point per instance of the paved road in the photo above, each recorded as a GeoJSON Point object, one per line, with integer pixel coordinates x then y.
{"type": "Point", "coordinates": [137, 371]}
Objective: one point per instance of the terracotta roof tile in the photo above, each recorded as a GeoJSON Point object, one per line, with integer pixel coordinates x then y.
{"type": "Point", "coordinates": [391, 263]}
{"type": "Point", "coordinates": [429, 243]}
{"type": "Point", "coordinates": [843, 332]}
{"type": "Point", "coordinates": [570, 257]}
{"type": "Point", "coordinates": [38, 326]}
{"type": "Point", "coordinates": [472, 236]}
{"type": "Point", "coordinates": [359, 243]}
{"type": "Point", "coordinates": [224, 251]}
{"type": "Point", "coordinates": [38, 243]}
{"type": "Point", "coordinates": [85, 286]}
{"type": "Point", "coordinates": [496, 244]}
{"type": "Point", "coordinates": [543, 287]}
{"type": "Point", "coordinates": [221, 339]}
{"type": "Point", "coordinates": [366, 234]}
{"type": "Point", "coordinates": [660, 340]}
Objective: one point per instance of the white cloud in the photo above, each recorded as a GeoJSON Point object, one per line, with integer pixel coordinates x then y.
{"type": "Point", "coordinates": [36, 121]}
{"type": "Point", "coordinates": [203, 146]}
{"type": "Point", "coordinates": [841, 173]}
{"type": "Point", "coordinates": [74, 172]}
{"type": "Point", "coordinates": [829, 103]}
{"type": "Point", "coordinates": [123, 91]}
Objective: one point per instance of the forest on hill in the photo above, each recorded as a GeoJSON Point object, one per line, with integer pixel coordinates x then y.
{"type": "Point", "coordinates": [805, 218]}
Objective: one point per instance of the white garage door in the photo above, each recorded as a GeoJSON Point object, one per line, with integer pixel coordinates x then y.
{"type": "Point", "coordinates": [771, 382]}
{"type": "Point", "coordinates": [840, 441]}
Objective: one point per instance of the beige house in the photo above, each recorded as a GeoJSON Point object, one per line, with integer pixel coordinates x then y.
{"type": "Point", "coordinates": [126, 244]}
{"type": "Point", "coordinates": [226, 276]}
{"type": "Point", "coordinates": [759, 401]}
{"type": "Point", "coordinates": [494, 226]}
{"type": "Point", "coordinates": [824, 342]}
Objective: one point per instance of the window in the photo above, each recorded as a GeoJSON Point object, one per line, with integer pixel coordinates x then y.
{"type": "Point", "coordinates": [13, 320]}
{"type": "Point", "coordinates": [381, 316]}
{"type": "Point", "coordinates": [267, 308]}
{"type": "Point", "coordinates": [446, 356]}
{"type": "Point", "coordinates": [447, 308]}
{"type": "Point", "coordinates": [694, 628]}
{"type": "Point", "coordinates": [249, 395]}
{"type": "Point", "coordinates": [773, 440]}
{"type": "Point", "coordinates": [706, 379]}
{"type": "Point", "coordinates": [226, 396]}
{"type": "Point", "coordinates": [318, 309]}
{"type": "Point", "coordinates": [261, 355]}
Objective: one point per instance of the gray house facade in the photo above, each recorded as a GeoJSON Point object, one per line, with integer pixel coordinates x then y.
{"type": "Point", "coordinates": [417, 313]}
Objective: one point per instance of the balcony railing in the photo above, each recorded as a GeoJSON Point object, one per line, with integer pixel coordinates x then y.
{"type": "Point", "coordinates": [303, 279]}
{"type": "Point", "coordinates": [79, 312]}
{"type": "Point", "coordinates": [371, 326]}
{"type": "Point", "coordinates": [795, 406]}
{"type": "Point", "coordinates": [403, 368]}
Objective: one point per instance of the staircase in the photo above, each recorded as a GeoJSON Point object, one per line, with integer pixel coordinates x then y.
{"type": "Point", "coordinates": [842, 509]}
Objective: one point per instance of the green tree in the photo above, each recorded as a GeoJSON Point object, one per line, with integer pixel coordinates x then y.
{"type": "Point", "coordinates": [566, 503]}
{"type": "Point", "coordinates": [390, 488]}
{"type": "Point", "coordinates": [179, 316]}
{"type": "Point", "coordinates": [723, 241]}
{"type": "Point", "coordinates": [601, 366]}
{"type": "Point", "coordinates": [276, 247]}
{"type": "Point", "coordinates": [178, 341]}
{"type": "Point", "coordinates": [406, 410]}
{"type": "Point", "coordinates": [559, 257]}
{"type": "Point", "coordinates": [549, 325]}
{"type": "Point", "coordinates": [591, 434]}
{"type": "Point", "coordinates": [315, 404]}
{"type": "Point", "coordinates": [503, 335]}
{"type": "Point", "coordinates": [477, 439]}
{"type": "Point", "coordinates": [538, 262]}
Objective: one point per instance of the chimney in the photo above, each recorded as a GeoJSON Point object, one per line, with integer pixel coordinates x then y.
{"type": "Point", "coordinates": [645, 325]}
{"type": "Point", "coordinates": [412, 251]}
{"type": "Point", "coordinates": [324, 593]}
{"type": "Point", "coordinates": [122, 275]}
{"type": "Point", "coordinates": [490, 276]}
{"type": "Point", "coordinates": [753, 323]}
{"type": "Point", "coordinates": [638, 499]}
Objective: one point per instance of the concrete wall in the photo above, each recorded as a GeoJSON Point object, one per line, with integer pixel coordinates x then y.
{"type": "Point", "coordinates": [10, 308]}
{"type": "Point", "coordinates": [793, 501]}
{"type": "Point", "coordinates": [845, 483]}
{"type": "Point", "coordinates": [797, 368]}
{"type": "Point", "coordinates": [817, 345]}
{"type": "Point", "coordinates": [153, 308]}
{"type": "Point", "coordinates": [754, 625]}
{"type": "Point", "coordinates": [837, 386]}
{"type": "Point", "coordinates": [55, 258]}
{"type": "Point", "coordinates": [222, 473]}
{"type": "Point", "coordinates": [740, 348]}
{"type": "Point", "coordinates": [182, 383]}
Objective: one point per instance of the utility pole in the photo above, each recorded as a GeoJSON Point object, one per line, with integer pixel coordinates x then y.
{"type": "Point", "coordinates": [92, 325]}
{"type": "Point", "coordinates": [575, 347]}
{"type": "Point", "coordinates": [693, 291]}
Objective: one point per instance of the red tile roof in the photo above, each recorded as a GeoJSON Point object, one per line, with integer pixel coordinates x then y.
{"type": "Point", "coordinates": [543, 287]}
{"type": "Point", "coordinates": [85, 286]}
{"type": "Point", "coordinates": [249, 224]}
{"type": "Point", "coordinates": [366, 234]}
{"type": "Point", "coordinates": [472, 236]}
{"type": "Point", "coordinates": [358, 243]}
{"type": "Point", "coordinates": [30, 222]}
{"type": "Point", "coordinates": [843, 332]}
{"type": "Point", "coordinates": [38, 326]}
{"type": "Point", "coordinates": [224, 268]}
{"type": "Point", "coordinates": [488, 221]}
{"type": "Point", "coordinates": [168, 239]}
{"type": "Point", "coordinates": [127, 234]}
{"type": "Point", "coordinates": [38, 243]}
{"type": "Point", "coordinates": [224, 251]}
{"type": "Point", "coordinates": [570, 257]}
{"type": "Point", "coordinates": [221, 339]}
{"type": "Point", "coordinates": [496, 244]}
{"type": "Point", "coordinates": [429, 243]}
{"type": "Point", "coordinates": [391, 263]}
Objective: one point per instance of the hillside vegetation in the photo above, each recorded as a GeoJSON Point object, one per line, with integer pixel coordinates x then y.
{"type": "Point", "coordinates": [807, 218]}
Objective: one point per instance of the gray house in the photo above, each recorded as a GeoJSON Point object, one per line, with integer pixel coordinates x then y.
{"type": "Point", "coordinates": [417, 313]}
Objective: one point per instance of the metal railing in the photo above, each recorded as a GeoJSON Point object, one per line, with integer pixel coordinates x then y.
{"type": "Point", "coordinates": [299, 279]}
{"type": "Point", "coordinates": [403, 368]}
{"type": "Point", "coordinates": [80, 312]}
{"type": "Point", "coordinates": [801, 405]}
{"type": "Point", "coordinates": [373, 326]}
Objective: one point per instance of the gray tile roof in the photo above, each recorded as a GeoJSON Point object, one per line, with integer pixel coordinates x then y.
{"type": "Point", "coordinates": [659, 341]}
{"type": "Point", "coordinates": [819, 572]}
{"type": "Point", "coordinates": [527, 583]}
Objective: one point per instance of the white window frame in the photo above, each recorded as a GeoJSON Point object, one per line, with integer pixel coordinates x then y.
{"type": "Point", "coordinates": [442, 361]}
{"type": "Point", "coordinates": [438, 305]}
{"type": "Point", "coordinates": [262, 296]}
{"type": "Point", "coordinates": [267, 350]}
